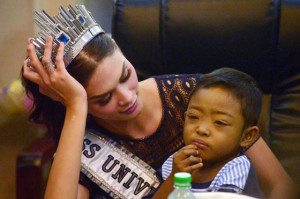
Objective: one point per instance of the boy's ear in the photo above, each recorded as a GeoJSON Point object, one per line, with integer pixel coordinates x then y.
{"type": "Point", "coordinates": [250, 134]}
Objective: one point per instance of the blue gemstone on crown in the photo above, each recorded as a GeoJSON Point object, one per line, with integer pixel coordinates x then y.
{"type": "Point", "coordinates": [81, 19]}
{"type": "Point", "coordinates": [74, 27]}
{"type": "Point", "coordinates": [63, 38]}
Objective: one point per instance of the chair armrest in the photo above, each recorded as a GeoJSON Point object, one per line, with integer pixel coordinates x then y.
{"type": "Point", "coordinates": [33, 166]}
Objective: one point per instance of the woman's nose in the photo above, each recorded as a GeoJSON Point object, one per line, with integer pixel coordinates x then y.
{"type": "Point", "coordinates": [124, 95]}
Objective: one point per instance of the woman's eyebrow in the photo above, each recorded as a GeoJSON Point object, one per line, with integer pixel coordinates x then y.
{"type": "Point", "coordinates": [123, 71]}
{"type": "Point", "coordinates": [104, 94]}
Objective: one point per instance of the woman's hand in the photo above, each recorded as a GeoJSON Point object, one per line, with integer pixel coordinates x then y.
{"type": "Point", "coordinates": [186, 160]}
{"type": "Point", "coordinates": [55, 83]}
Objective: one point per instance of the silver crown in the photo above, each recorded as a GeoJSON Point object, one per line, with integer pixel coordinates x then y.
{"type": "Point", "coordinates": [75, 28]}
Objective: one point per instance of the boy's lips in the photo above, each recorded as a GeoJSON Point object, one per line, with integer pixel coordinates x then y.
{"type": "Point", "coordinates": [200, 144]}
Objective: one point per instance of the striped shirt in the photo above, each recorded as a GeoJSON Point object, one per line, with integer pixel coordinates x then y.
{"type": "Point", "coordinates": [234, 172]}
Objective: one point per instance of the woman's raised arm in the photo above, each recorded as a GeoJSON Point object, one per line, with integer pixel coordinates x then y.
{"type": "Point", "coordinates": [60, 86]}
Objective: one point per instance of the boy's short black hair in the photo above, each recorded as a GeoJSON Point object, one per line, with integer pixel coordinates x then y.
{"type": "Point", "coordinates": [242, 85]}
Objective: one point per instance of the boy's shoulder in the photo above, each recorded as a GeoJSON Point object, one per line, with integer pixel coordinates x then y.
{"type": "Point", "coordinates": [240, 161]}
{"type": "Point", "coordinates": [166, 168]}
{"type": "Point", "coordinates": [234, 172]}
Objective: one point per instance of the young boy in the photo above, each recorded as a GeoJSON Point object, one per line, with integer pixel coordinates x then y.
{"type": "Point", "coordinates": [220, 122]}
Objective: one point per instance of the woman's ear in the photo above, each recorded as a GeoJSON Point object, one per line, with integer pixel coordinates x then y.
{"type": "Point", "coordinates": [250, 134]}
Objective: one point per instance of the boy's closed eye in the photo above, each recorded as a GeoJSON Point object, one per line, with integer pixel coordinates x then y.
{"type": "Point", "coordinates": [221, 123]}
{"type": "Point", "coordinates": [192, 116]}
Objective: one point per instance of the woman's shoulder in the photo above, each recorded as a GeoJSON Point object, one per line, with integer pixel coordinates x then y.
{"type": "Point", "coordinates": [170, 80]}
{"type": "Point", "coordinates": [151, 81]}
{"type": "Point", "coordinates": [148, 85]}
{"type": "Point", "coordinates": [176, 76]}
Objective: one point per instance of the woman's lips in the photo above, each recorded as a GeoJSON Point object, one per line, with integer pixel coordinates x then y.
{"type": "Point", "coordinates": [200, 144]}
{"type": "Point", "coordinates": [132, 108]}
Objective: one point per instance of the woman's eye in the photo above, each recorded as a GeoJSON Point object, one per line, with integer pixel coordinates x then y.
{"type": "Point", "coordinates": [105, 100]}
{"type": "Point", "coordinates": [126, 76]}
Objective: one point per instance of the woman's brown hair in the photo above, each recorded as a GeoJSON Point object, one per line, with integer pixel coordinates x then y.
{"type": "Point", "coordinates": [52, 113]}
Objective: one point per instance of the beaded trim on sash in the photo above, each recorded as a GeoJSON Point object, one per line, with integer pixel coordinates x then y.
{"type": "Point", "coordinates": [114, 169]}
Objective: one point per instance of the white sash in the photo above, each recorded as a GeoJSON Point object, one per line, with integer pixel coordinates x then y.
{"type": "Point", "coordinates": [114, 169]}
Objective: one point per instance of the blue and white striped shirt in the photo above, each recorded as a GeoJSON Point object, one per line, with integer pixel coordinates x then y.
{"type": "Point", "coordinates": [234, 172]}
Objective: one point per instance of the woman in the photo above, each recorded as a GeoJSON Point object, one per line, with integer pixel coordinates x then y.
{"type": "Point", "coordinates": [100, 86]}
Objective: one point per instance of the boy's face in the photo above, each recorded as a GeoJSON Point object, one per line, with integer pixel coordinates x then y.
{"type": "Point", "coordinates": [214, 123]}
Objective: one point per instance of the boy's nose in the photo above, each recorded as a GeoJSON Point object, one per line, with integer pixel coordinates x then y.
{"type": "Point", "coordinates": [202, 130]}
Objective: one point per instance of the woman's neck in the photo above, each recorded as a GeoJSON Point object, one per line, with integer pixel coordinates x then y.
{"type": "Point", "coordinates": [147, 122]}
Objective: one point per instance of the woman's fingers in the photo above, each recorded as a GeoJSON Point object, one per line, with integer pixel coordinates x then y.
{"type": "Point", "coordinates": [49, 67]}
{"type": "Point", "coordinates": [36, 78]}
{"type": "Point", "coordinates": [47, 50]}
{"type": "Point", "coordinates": [56, 83]}
{"type": "Point", "coordinates": [31, 75]}
{"type": "Point", "coordinates": [47, 61]}
{"type": "Point", "coordinates": [37, 72]}
{"type": "Point", "coordinates": [59, 58]}
{"type": "Point", "coordinates": [35, 62]}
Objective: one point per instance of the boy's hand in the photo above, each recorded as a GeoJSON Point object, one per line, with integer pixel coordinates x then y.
{"type": "Point", "coordinates": [187, 160]}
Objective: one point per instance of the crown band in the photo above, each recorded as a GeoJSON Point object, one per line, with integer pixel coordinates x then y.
{"type": "Point", "coordinates": [75, 28]}
{"type": "Point", "coordinates": [78, 46]}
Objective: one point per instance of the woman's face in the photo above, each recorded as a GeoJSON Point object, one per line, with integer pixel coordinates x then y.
{"type": "Point", "coordinates": [113, 92]}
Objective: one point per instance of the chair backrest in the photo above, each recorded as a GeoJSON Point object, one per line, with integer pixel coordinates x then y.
{"type": "Point", "coordinates": [189, 36]}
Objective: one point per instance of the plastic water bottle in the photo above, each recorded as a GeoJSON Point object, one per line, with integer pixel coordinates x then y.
{"type": "Point", "coordinates": [182, 186]}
